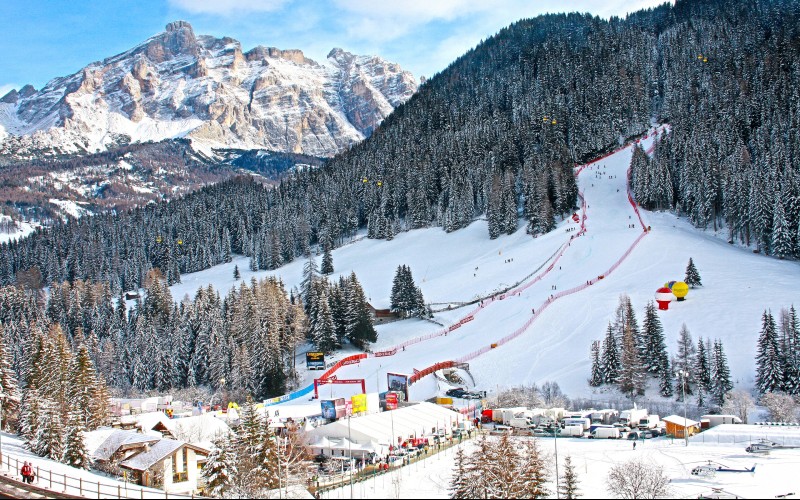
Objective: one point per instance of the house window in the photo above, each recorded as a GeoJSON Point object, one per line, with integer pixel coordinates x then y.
{"type": "Point", "coordinates": [179, 477]}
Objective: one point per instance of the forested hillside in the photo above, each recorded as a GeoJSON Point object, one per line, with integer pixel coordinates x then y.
{"type": "Point", "coordinates": [498, 132]}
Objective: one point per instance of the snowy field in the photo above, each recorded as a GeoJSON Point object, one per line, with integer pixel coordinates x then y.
{"type": "Point", "coordinates": [466, 264]}
{"type": "Point", "coordinates": [51, 475]}
{"type": "Point", "coordinates": [775, 474]}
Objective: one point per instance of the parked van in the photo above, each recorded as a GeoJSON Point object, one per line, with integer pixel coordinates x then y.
{"type": "Point", "coordinates": [521, 423]}
{"type": "Point", "coordinates": [649, 422]}
{"type": "Point", "coordinates": [573, 430]}
{"type": "Point", "coordinates": [605, 433]}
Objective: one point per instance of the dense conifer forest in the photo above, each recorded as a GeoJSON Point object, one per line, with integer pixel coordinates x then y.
{"type": "Point", "coordinates": [497, 133]}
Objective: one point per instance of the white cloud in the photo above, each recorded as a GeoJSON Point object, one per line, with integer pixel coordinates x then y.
{"type": "Point", "coordinates": [228, 7]}
{"type": "Point", "coordinates": [389, 20]}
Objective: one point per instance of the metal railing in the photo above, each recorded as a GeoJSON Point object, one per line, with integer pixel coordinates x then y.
{"type": "Point", "coordinates": [62, 484]}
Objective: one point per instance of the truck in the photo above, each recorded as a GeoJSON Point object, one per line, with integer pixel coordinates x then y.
{"type": "Point", "coordinates": [605, 433]}
{"type": "Point", "coordinates": [581, 421]}
{"type": "Point", "coordinates": [573, 430]}
{"type": "Point", "coordinates": [521, 423]}
{"type": "Point", "coordinates": [649, 422]}
{"type": "Point", "coordinates": [630, 418]}
{"type": "Point", "coordinates": [509, 413]}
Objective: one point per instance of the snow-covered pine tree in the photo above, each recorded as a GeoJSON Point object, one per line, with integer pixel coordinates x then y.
{"type": "Point", "coordinates": [611, 358]}
{"type": "Point", "coordinates": [323, 330]}
{"type": "Point", "coordinates": [337, 301]}
{"type": "Point", "coordinates": [50, 438]}
{"type": "Point", "coordinates": [665, 380]}
{"type": "Point", "coordinates": [685, 360]}
{"type": "Point", "coordinates": [80, 390]}
{"type": "Point", "coordinates": [220, 468]}
{"type": "Point", "coordinates": [398, 297]}
{"type": "Point", "coordinates": [9, 392]}
{"type": "Point", "coordinates": [720, 375]}
{"type": "Point", "coordinates": [569, 481]}
{"type": "Point", "coordinates": [326, 267]}
{"type": "Point", "coordinates": [702, 372]}
{"type": "Point", "coordinates": [310, 275]}
{"type": "Point", "coordinates": [531, 479]}
{"type": "Point", "coordinates": [692, 275]}
{"type": "Point", "coordinates": [459, 485]}
{"type": "Point", "coordinates": [30, 417]}
{"type": "Point", "coordinates": [507, 470]}
{"type": "Point", "coordinates": [640, 178]}
{"type": "Point", "coordinates": [782, 234]}
{"type": "Point", "coordinates": [249, 433]}
{"type": "Point", "coordinates": [769, 369]}
{"type": "Point", "coordinates": [236, 274]}
{"type": "Point", "coordinates": [359, 328]}
{"type": "Point", "coordinates": [596, 379]}
{"type": "Point", "coordinates": [494, 213]}
{"type": "Point", "coordinates": [791, 352]}
{"type": "Point", "coordinates": [75, 453]}
{"type": "Point", "coordinates": [631, 375]}
{"type": "Point", "coordinates": [266, 459]}
{"type": "Point", "coordinates": [421, 310]}
{"type": "Point", "coordinates": [655, 345]}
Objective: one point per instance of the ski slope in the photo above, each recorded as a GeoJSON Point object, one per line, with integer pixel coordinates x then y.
{"type": "Point", "coordinates": [465, 265]}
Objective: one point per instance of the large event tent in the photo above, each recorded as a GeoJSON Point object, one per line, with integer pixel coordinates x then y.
{"type": "Point", "coordinates": [375, 432]}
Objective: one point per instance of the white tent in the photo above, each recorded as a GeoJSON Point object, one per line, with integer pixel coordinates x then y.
{"type": "Point", "coordinates": [391, 427]}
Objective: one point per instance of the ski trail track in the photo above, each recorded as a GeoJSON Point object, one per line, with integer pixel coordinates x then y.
{"type": "Point", "coordinates": [484, 324]}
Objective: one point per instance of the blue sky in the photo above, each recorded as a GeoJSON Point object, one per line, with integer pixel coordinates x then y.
{"type": "Point", "coordinates": [48, 38]}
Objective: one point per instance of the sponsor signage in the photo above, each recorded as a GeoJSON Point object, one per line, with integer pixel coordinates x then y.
{"type": "Point", "coordinates": [328, 407]}
{"type": "Point", "coordinates": [359, 402]}
{"type": "Point", "coordinates": [391, 401]}
{"type": "Point", "coordinates": [341, 407]}
{"type": "Point", "coordinates": [399, 383]}
{"type": "Point", "coordinates": [315, 360]}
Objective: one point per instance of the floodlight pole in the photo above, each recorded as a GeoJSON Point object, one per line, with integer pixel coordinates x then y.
{"type": "Point", "coordinates": [350, 450]}
{"type": "Point", "coordinates": [555, 439]}
{"type": "Point", "coordinates": [682, 375]}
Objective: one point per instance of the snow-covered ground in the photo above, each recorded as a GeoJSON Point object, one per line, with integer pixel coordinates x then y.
{"type": "Point", "coordinates": [738, 286]}
{"type": "Point", "coordinates": [775, 474]}
{"type": "Point", "coordinates": [22, 229]}
{"type": "Point", "coordinates": [51, 475]}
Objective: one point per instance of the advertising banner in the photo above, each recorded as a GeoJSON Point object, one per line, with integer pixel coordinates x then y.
{"type": "Point", "coordinates": [391, 401]}
{"type": "Point", "coordinates": [359, 403]}
{"type": "Point", "coordinates": [315, 360]}
{"type": "Point", "coordinates": [328, 409]}
{"type": "Point", "coordinates": [341, 407]}
{"type": "Point", "coordinates": [399, 383]}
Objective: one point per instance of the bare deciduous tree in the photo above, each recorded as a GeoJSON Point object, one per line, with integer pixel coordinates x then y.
{"type": "Point", "coordinates": [781, 407]}
{"type": "Point", "coordinates": [636, 479]}
{"type": "Point", "coordinates": [739, 403]}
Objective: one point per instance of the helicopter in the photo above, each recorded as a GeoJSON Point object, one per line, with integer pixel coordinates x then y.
{"type": "Point", "coordinates": [764, 446]}
{"type": "Point", "coordinates": [711, 468]}
{"type": "Point", "coordinates": [718, 493]}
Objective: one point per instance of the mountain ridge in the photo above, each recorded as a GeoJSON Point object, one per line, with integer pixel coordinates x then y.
{"type": "Point", "coordinates": [178, 84]}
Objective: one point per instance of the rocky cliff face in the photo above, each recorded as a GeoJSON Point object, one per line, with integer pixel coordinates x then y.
{"type": "Point", "coordinates": [178, 84]}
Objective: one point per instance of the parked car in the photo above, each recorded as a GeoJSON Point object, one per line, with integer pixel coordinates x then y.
{"type": "Point", "coordinates": [456, 392]}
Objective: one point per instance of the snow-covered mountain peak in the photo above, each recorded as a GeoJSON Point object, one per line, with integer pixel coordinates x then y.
{"type": "Point", "coordinates": [177, 84]}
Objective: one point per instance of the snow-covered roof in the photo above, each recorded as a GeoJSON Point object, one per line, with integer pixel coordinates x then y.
{"type": "Point", "coordinates": [150, 419]}
{"type": "Point", "coordinates": [93, 439]}
{"type": "Point", "coordinates": [157, 452]}
{"type": "Point", "coordinates": [201, 428]}
{"type": "Point", "coordinates": [683, 422]}
{"type": "Point", "coordinates": [117, 440]}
